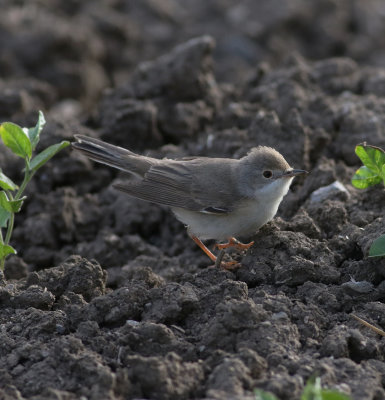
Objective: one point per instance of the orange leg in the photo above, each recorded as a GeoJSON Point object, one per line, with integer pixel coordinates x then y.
{"type": "Point", "coordinates": [234, 243]}
{"type": "Point", "coordinates": [204, 248]}
{"type": "Point", "coordinates": [226, 265]}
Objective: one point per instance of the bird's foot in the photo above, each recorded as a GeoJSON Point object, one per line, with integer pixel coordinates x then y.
{"type": "Point", "coordinates": [234, 243]}
{"type": "Point", "coordinates": [227, 265]}
{"type": "Point", "coordinates": [230, 265]}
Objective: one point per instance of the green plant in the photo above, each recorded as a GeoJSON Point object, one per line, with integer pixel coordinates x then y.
{"type": "Point", "coordinates": [312, 391]}
{"type": "Point", "coordinates": [22, 142]}
{"type": "Point", "coordinates": [371, 173]}
{"type": "Point", "coordinates": [373, 170]}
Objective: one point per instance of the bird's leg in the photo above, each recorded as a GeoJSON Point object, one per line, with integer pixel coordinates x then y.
{"type": "Point", "coordinates": [204, 248]}
{"type": "Point", "coordinates": [229, 265]}
{"type": "Point", "coordinates": [234, 243]}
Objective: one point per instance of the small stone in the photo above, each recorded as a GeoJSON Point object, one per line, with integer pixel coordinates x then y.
{"type": "Point", "coordinates": [356, 288]}
{"type": "Point", "coordinates": [335, 190]}
{"type": "Point", "coordinates": [132, 322]}
{"type": "Point", "coordinates": [279, 315]}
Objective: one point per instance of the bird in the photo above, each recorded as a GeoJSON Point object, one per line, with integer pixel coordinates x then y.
{"type": "Point", "coordinates": [215, 198]}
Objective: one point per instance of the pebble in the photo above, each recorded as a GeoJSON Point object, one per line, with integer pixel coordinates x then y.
{"type": "Point", "coordinates": [355, 288]}
{"type": "Point", "coordinates": [334, 190]}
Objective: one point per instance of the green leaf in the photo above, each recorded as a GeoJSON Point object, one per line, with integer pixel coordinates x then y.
{"type": "Point", "coordinates": [365, 177]}
{"type": "Point", "coordinates": [39, 160]}
{"type": "Point", "coordinates": [34, 133]}
{"type": "Point", "coordinates": [383, 173]}
{"type": "Point", "coordinates": [4, 202]}
{"type": "Point", "coordinates": [14, 137]}
{"type": "Point", "coordinates": [12, 206]}
{"type": "Point", "coordinates": [312, 390]}
{"type": "Point", "coordinates": [333, 395]}
{"type": "Point", "coordinates": [6, 183]}
{"type": "Point", "coordinates": [262, 395]}
{"type": "Point", "coordinates": [372, 157]}
{"type": "Point", "coordinates": [5, 250]}
{"type": "Point", "coordinates": [377, 249]}
{"type": "Point", "coordinates": [4, 217]}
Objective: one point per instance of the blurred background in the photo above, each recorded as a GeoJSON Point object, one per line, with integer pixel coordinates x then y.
{"type": "Point", "coordinates": [72, 50]}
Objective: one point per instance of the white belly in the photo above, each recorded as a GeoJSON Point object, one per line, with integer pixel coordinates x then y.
{"type": "Point", "coordinates": [244, 221]}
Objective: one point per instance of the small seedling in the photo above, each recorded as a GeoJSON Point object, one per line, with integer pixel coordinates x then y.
{"type": "Point", "coordinates": [371, 173]}
{"type": "Point", "coordinates": [312, 391]}
{"type": "Point", "coordinates": [22, 142]}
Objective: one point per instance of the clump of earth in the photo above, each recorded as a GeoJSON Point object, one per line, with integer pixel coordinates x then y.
{"type": "Point", "coordinates": [108, 297]}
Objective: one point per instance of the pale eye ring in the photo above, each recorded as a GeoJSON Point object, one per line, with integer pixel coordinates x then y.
{"type": "Point", "coordinates": [267, 174]}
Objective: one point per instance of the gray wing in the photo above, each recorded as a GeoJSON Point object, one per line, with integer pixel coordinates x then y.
{"type": "Point", "coordinates": [203, 185]}
{"type": "Point", "coordinates": [113, 156]}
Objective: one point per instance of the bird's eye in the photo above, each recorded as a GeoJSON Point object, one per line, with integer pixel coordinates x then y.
{"type": "Point", "coordinates": [267, 174]}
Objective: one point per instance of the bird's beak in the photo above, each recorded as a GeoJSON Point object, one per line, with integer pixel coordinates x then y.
{"type": "Point", "coordinates": [293, 172]}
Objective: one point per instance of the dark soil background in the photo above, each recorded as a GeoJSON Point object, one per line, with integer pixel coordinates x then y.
{"type": "Point", "coordinates": [108, 297]}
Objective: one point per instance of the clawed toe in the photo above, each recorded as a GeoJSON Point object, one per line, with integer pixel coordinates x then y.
{"type": "Point", "coordinates": [244, 246]}
{"type": "Point", "coordinates": [222, 246]}
{"type": "Point", "coordinates": [234, 243]}
{"type": "Point", "coordinates": [227, 265]}
{"type": "Point", "coordinates": [230, 265]}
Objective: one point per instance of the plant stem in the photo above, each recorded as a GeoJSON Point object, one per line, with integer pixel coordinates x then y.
{"type": "Point", "coordinates": [10, 229]}
{"type": "Point", "coordinates": [27, 177]}
{"type": "Point", "coordinates": [2, 260]}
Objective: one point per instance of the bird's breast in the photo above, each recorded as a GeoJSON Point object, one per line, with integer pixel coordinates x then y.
{"type": "Point", "coordinates": [243, 221]}
{"type": "Point", "coordinates": [248, 215]}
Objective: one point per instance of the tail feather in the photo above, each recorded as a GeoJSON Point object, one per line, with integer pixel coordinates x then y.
{"type": "Point", "coordinates": [113, 156]}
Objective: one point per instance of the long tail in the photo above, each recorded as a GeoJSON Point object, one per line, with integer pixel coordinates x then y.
{"type": "Point", "coordinates": [114, 156]}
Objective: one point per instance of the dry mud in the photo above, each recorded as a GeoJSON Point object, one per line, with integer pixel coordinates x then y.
{"type": "Point", "coordinates": [108, 297]}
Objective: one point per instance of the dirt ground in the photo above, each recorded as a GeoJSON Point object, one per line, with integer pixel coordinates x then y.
{"type": "Point", "coordinates": [108, 297]}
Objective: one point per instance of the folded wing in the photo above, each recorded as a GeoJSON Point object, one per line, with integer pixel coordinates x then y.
{"type": "Point", "coordinates": [190, 184]}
